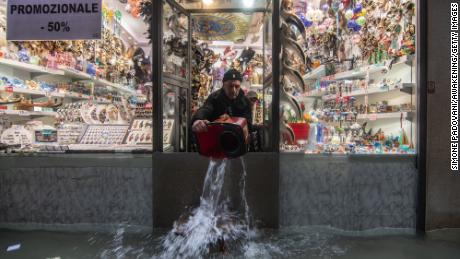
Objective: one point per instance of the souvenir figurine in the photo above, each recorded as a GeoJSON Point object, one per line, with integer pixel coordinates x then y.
{"type": "Point", "coordinates": [51, 60]}
{"type": "Point", "coordinates": [91, 69]}
{"type": "Point", "coordinates": [23, 55]}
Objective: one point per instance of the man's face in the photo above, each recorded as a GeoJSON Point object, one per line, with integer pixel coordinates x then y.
{"type": "Point", "coordinates": [232, 88]}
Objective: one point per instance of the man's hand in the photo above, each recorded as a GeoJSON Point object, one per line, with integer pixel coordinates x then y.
{"type": "Point", "coordinates": [200, 126]}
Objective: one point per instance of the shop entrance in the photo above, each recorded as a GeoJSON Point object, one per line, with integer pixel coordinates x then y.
{"type": "Point", "coordinates": [200, 41]}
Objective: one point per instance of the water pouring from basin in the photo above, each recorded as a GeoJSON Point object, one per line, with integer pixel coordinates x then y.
{"type": "Point", "coordinates": [213, 226]}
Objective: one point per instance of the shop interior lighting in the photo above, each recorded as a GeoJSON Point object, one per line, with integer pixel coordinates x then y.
{"type": "Point", "coordinates": [208, 2]}
{"type": "Point", "coordinates": [248, 3]}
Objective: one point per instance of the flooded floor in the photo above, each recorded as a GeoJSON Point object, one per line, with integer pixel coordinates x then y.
{"type": "Point", "coordinates": [283, 243]}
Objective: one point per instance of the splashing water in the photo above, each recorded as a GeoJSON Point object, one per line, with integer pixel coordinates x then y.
{"type": "Point", "coordinates": [117, 249]}
{"type": "Point", "coordinates": [212, 225]}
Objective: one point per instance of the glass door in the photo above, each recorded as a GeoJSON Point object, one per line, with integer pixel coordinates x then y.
{"type": "Point", "coordinates": [174, 43]}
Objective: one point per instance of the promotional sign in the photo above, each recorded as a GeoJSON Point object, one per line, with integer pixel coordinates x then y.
{"type": "Point", "coordinates": [53, 19]}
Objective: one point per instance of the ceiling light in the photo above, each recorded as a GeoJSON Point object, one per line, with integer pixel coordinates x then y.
{"type": "Point", "coordinates": [208, 2]}
{"type": "Point", "coordinates": [248, 3]}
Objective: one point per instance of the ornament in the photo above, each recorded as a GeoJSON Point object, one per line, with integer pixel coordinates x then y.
{"type": "Point", "coordinates": [317, 16]}
{"type": "Point", "coordinates": [361, 21]}
{"type": "Point", "coordinates": [335, 5]}
{"type": "Point", "coordinates": [346, 3]}
{"type": "Point", "coordinates": [322, 28]}
{"type": "Point", "coordinates": [118, 15]}
{"type": "Point", "coordinates": [325, 7]}
{"type": "Point", "coordinates": [110, 15]}
{"type": "Point", "coordinates": [128, 8]}
{"type": "Point", "coordinates": [349, 14]}
{"type": "Point", "coordinates": [357, 9]}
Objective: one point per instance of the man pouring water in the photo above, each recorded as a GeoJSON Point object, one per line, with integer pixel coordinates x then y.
{"type": "Point", "coordinates": [227, 101]}
{"type": "Point", "coordinates": [223, 203]}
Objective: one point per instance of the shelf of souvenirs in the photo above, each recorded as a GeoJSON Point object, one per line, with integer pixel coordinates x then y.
{"type": "Point", "coordinates": [79, 75]}
{"type": "Point", "coordinates": [387, 115]}
{"type": "Point", "coordinates": [30, 67]}
{"type": "Point", "coordinates": [64, 71]}
{"type": "Point", "coordinates": [325, 96]}
{"type": "Point", "coordinates": [350, 117]}
{"type": "Point", "coordinates": [72, 95]}
{"type": "Point", "coordinates": [406, 88]}
{"type": "Point", "coordinates": [117, 148]}
{"type": "Point", "coordinates": [360, 72]}
{"type": "Point", "coordinates": [375, 148]}
{"type": "Point", "coordinates": [24, 113]}
{"type": "Point", "coordinates": [75, 148]}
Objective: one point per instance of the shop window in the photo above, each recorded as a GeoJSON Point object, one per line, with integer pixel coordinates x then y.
{"type": "Point", "coordinates": [348, 77]}
{"type": "Point", "coordinates": [176, 77]}
{"type": "Point", "coordinates": [79, 96]}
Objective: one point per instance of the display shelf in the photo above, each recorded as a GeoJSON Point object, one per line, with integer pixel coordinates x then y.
{"type": "Point", "coordinates": [78, 75]}
{"type": "Point", "coordinates": [30, 92]}
{"type": "Point", "coordinates": [389, 115]}
{"type": "Point", "coordinates": [122, 148]}
{"type": "Point", "coordinates": [69, 72]}
{"type": "Point", "coordinates": [408, 88]}
{"type": "Point", "coordinates": [27, 113]}
{"type": "Point", "coordinates": [315, 93]}
{"type": "Point", "coordinates": [73, 73]}
{"type": "Point", "coordinates": [102, 82]}
{"type": "Point", "coordinates": [361, 72]}
{"type": "Point", "coordinates": [258, 86]}
{"type": "Point", "coordinates": [316, 73]}
{"type": "Point", "coordinates": [30, 67]}
{"type": "Point", "coordinates": [373, 90]}
{"type": "Point", "coordinates": [71, 95]}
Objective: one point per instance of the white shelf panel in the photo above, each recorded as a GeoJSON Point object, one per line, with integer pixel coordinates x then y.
{"type": "Point", "coordinates": [379, 116]}
{"type": "Point", "coordinates": [73, 73]}
{"type": "Point", "coordinates": [362, 71]}
{"type": "Point", "coordinates": [374, 90]}
{"type": "Point", "coordinates": [103, 147]}
{"type": "Point", "coordinates": [316, 73]}
{"type": "Point", "coordinates": [44, 93]}
{"type": "Point", "coordinates": [27, 113]}
{"type": "Point", "coordinates": [68, 72]}
{"type": "Point", "coordinates": [30, 67]}
{"type": "Point", "coordinates": [30, 92]}
{"type": "Point", "coordinates": [102, 82]}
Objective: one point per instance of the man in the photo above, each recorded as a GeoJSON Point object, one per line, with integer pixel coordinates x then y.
{"type": "Point", "coordinates": [229, 100]}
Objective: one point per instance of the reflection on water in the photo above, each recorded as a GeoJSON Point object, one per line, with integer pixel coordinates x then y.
{"type": "Point", "coordinates": [293, 242]}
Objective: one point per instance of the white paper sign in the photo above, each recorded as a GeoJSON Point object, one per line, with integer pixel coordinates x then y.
{"type": "Point", "coordinates": [53, 19]}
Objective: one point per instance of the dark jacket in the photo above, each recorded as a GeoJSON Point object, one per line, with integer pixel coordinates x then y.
{"type": "Point", "coordinates": [218, 104]}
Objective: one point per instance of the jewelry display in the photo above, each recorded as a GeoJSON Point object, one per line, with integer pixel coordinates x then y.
{"type": "Point", "coordinates": [140, 132]}
{"type": "Point", "coordinates": [104, 134]}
